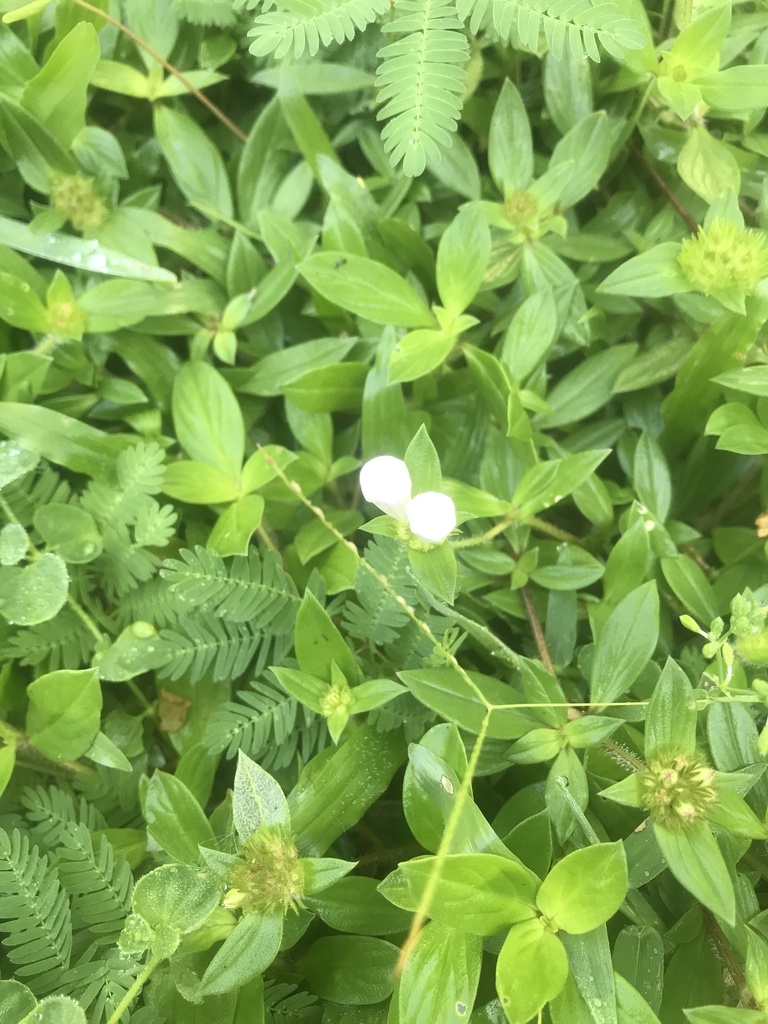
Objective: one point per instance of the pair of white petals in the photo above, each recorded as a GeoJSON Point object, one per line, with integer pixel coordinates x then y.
{"type": "Point", "coordinates": [386, 483]}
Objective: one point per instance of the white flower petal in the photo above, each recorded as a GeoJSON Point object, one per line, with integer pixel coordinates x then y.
{"type": "Point", "coordinates": [431, 516]}
{"type": "Point", "coordinates": [386, 482]}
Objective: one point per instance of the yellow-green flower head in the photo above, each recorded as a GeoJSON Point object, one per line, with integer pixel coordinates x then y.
{"type": "Point", "coordinates": [77, 198]}
{"type": "Point", "coordinates": [269, 876]}
{"type": "Point", "coordinates": [724, 256]}
{"type": "Point", "coordinates": [679, 791]}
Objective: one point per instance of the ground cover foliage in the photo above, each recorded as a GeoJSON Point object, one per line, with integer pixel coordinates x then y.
{"type": "Point", "coordinates": [265, 755]}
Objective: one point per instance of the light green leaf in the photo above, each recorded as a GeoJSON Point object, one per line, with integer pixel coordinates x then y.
{"type": "Point", "coordinates": [208, 420]}
{"type": "Point", "coordinates": [366, 288]}
{"type": "Point", "coordinates": [531, 970]}
{"type": "Point", "coordinates": [34, 593]}
{"type": "Point", "coordinates": [194, 161]}
{"type": "Point", "coordinates": [584, 889]}
{"type": "Point", "coordinates": [694, 858]}
{"type": "Point", "coordinates": [257, 799]}
{"type": "Point", "coordinates": [625, 644]}
{"type": "Point", "coordinates": [64, 713]}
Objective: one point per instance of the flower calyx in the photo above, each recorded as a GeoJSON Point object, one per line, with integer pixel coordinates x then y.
{"type": "Point", "coordinates": [679, 791]}
{"type": "Point", "coordinates": [268, 875]}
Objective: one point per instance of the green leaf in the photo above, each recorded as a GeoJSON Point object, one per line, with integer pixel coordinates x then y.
{"type": "Point", "coordinates": [531, 970]}
{"type": "Point", "coordinates": [653, 482]}
{"type": "Point", "coordinates": [83, 254]}
{"type": "Point", "coordinates": [21, 306]}
{"type": "Point", "coordinates": [447, 693]}
{"type": "Point", "coordinates": [694, 858]}
{"type": "Point", "coordinates": [441, 977]}
{"type": "Point", "coordinates": [548, 482]}
{"type": "Point", "coordinates": [199, 484]}
{"type": "Point", "coordinates": [232, 532]}
{"type": "Point", "coordinates": [258, 800]}
{"type": "Point", "coordinates": [670, 724]}
{"type": "Point", "coordinates": [56, 1010]}
{"type": "Point", "coordinates": [344, 787]}
{"type": "Point", "coordinates": [245, 953]}
{"type": "Point", "coordinates": [63, 439]}
{"type": "Point", "coordinates": [58, 92]}
{"type": "Point", "coordinates": [418, 353]}
{"type": "Point", "coordinates": [194, 161]}
{"type": "Point", "coordinates": [480, 893]}
{"type": "Point", "coordinates": [69, 532]}
{"type": "Point", "coordinates": [16, 1001]}
{"type": "Point", "coordinates": [584, 889]}
{"type": "Point", "coordinates": [208, 420]}
{"type": "Point", "coordinates": [691, 587]}
{"type": "Point", "coordinates": [373, 694]}
{"type": "Point", "coordinates": [318, 642]}
{"type": "Point", "coordinates": [15, 462]}
{"type": "Point", "coordinates": [175, 819]}
{"type": "Point", "coordinates": [510, 146]}
{"type": "Point", "coordinates": [355, 905]}
{"type": "Point", "coordinates": [625, 644]}
{"type": "Point", "coordinates": [530, 334]}
{"type": "Point", "coordinates": [329, 388]}
{"type": "Point", "coordinates": [175, 896]}
{"type": "Point", "coordinates": [366, 288]}
{"type": "Point", "coordinates": [36, 592]}
{"type": "Point", "coordinates": [652, 274]}
{"type": "Point", "coordinates": [64, 713]}
{"type": "Point", "coordinates": [436, 570]}
{"type": "Point", "coordinates": [744, 87]}
{"type": "Point", "coordinates": [462, 259]}
{"type": "Point", "coordinates": [350, 969]}
{"type": "Point", "coordinates": [707, 165]}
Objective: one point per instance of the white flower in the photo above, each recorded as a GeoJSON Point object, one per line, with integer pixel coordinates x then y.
{"type": "Point", "coordinates": [431, 516]}
{"type": "Point", "coordinates": [386, 482]}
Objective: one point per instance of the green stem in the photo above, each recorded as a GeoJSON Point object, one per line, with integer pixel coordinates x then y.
{"type": "Point", "coordinates": [422, 911]}
{"type": "Point", "coordinates": [134, 990]}
{"type": "Point", "coordinates": [542, 526]}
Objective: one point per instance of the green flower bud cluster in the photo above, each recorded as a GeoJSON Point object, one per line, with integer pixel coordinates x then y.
{"type": "Point", "coordinates": [725, 257]}
{"type": "Point", "coordinates": [78, 199]}
{"type": "Point", "coordinates": [679, 791]}
{"type": "Point", "coordinates": [268, 875]}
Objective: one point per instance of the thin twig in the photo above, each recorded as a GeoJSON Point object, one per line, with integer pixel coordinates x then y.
{"type": "Point", "coordinates": [664, 188]}
{"type": "Point", "coordinates": [216, 111]}
{"type": "Point", "coordinates": [538, 633]}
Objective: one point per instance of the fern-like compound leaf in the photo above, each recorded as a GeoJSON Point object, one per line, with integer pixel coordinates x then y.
{"type": "Point", "coordinates": [51, 810]}
{"type": "Point", "coordinates": [421, 81]}
{"type": "Point", "coordinates": [202, 644]}
{"type": "Point", "coordinates": [378, 618]}
{"type": "Point", "coordinates": [579, 24]}
{"type": "Point", "coordinates": [99, 983]}
{"type": "Point", "coordinates": [34, 914]}
{"type": "Point", "coordinates": [260, 716]}
{"type": "Point", "coordinates": [62, 642]}
{"type": "Point", "coordinates": [99, 883]}
{"type": "Point", "coordinates": [304, 25]}
{"type": "Point", "coordinates": [252, 589]}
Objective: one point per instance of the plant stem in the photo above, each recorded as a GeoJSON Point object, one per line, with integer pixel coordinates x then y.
{"type": "Point", "coordinates": [133, 991]}
{"type": "Point", "coordinates": [667, 192]}
{"type": "Point", "coordinates": [216, 111]}
{"type": "Point", "coordinates": [422, 911]}
{"type": "Point", "coordinates": [538, 633]}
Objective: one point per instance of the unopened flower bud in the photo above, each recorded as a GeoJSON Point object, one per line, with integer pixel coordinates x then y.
{"type": "Point", "coordinates": [386, 483]}
{"type": "Point", "coordinates": [431, 516]}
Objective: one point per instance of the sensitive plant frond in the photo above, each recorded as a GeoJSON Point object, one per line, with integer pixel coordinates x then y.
{"type": "Point", "coordinates": [286, 1004]}
{"type": "Point", "coordinates": [138, 473]}
{"type": "Point", "coordinates": [152, 601]}
{"type": "Point", "coordinates": [99, 982]}
{"type": "Point", "coordinates": [62, 642]}
{"type": "Point", "coordinates": [579, 24]}
{"type": "Point", "coordinates": [421, 81]}
{"type": "Point", "coordinates": [36, 489]}
{"type": "Point", "coordinates": [378, 618]}
{"type": "Point", "coordinates": [250, 589]}
{"type": "Point", "coordinates": [99, 882]}
{"type": "Point", "coordinates": [263, 714]}
{"type": "Point", "coordinates": [205, 643]}
{"type": "Point", "coordinates": [304, 25]}
{"type": "Point", "coordinates": [52, 810]}
{"type": "Point", "coordinates": [34, 914]}
{"type": "Point", "coordinates": [268, 725]}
